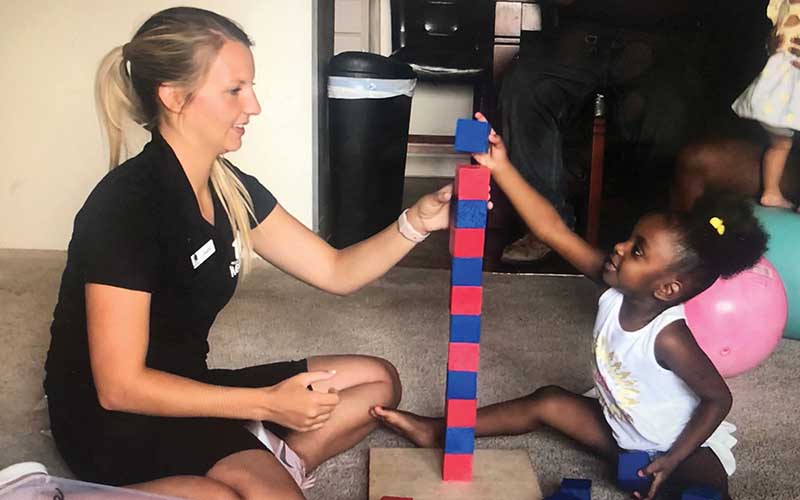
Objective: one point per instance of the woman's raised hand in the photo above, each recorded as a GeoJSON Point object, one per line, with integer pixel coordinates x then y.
{"type": "Point", "coordinates": [432, 211]}
{"type": "Point", "coordinates": [295, 405]}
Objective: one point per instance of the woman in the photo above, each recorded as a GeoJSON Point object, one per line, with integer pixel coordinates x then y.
{"type": "Point", "coordinates": [155, 254]}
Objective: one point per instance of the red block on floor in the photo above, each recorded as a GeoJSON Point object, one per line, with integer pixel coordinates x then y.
{"type": "Point", "coordinates": [471, 183]}
{"type": "Point", "coordinates": [466, 242]}
{"type": "Point", "coordinates": [463, 357]}
{"type": "Point", "coordinates": [461, 412]}
{"type": "Point", "coordinates": [466, 300]}
{"type": "Point", "coordinates": [457, 467]}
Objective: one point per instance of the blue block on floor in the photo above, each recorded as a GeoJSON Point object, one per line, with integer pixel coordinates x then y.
{"type": "Point", "coordinates": [560, 495]}
{"type": "Point", "coordinates": [701, 493]}
{"type": "Point", "coordinates": [472, 136]}
{"type": "Point", "coordinates": [471, 214]}
{"type": "Point", "coordinates": [465, 328]}
{"type": "Point", "coordinates": [459, 440]}
{"type": "Point", "coordinates": [580, 489]}
{"type": "Point", "coordinates": [462, 385]}
{"type": "Point", "coordinates": [466, 271]}
{"type": "Point", "coordinates": [628, 471]}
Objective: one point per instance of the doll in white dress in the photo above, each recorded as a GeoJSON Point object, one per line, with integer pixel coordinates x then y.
{"type": "Point", "coordinates": [774, 100]}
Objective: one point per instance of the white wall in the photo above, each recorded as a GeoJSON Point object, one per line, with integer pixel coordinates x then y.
{"type": "Point", "coordinates": [436, 107]}
{"type": "Point", "coordinates": [362, 25]}
{"type": "Point", "coordinates": [53, 151]}
{"type": "Point", "coordinates": [351, 26]}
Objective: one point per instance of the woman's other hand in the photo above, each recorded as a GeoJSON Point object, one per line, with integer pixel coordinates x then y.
{"type": "Point", "coordinates": [294, 404]}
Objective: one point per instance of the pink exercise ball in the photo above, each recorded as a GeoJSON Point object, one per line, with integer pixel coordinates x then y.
{"type": "Point", "coordinates": [739, 321]}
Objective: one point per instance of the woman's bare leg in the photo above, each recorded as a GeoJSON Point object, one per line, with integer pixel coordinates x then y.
{"type": "Point", "coordinates": [199, 487]}
{"type": "Point", "coordinates": [362, 382]}
{"type": "Point", "coordinates": [256, 474]}
{"type": "Point", "coordinates": [250, 474]}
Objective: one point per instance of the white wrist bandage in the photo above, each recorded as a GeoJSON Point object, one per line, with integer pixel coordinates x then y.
{"type": "Point", "coordinates": [408, 231]}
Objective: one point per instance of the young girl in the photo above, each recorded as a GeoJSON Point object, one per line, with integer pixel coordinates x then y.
{"type": "Point", "coordinates": [772, 100]}
{"type": "Point", "coordinates": [657, 391]}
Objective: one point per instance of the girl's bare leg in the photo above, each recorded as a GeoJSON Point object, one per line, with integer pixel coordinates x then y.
{"type": "Point", "coordinates": [772, 172]}
{"type": "Point", "coordinates": [701, 468]}
{"type": "Point", "coordinates": [578, 417]}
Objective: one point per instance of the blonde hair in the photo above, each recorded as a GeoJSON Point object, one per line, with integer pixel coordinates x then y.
{"type": "Point", "coordinates": [174, 46]}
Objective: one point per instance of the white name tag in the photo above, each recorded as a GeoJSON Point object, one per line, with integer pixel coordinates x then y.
{"type": "Point", "coordinates": [203, 254]}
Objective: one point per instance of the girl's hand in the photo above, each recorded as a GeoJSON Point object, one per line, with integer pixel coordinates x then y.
{"type": "Point", "coordinates": [776, 41]}
{"type": "Point", "coordinates": [295, 405]}
{"type": "Point", "coordinates": [660, 469]}
{"type": "Point", "coordinates": [794, 49]}
{"type": "Point", "coordinates": [432, 211]}
{"type": "Point", "coordinates": [497, 157]}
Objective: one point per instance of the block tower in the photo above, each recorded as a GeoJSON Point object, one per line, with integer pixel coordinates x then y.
{"type": "Point", "coordinates": [467, 235]}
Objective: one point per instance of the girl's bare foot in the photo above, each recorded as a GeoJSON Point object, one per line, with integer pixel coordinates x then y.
{"type": "Point", "coordinates": [425, 432]}
{"type": "Point", "coordinates": [776, 200]}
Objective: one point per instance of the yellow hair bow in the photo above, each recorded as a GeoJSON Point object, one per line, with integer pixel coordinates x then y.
{"type": "Point", "coordinates": [717, 224]}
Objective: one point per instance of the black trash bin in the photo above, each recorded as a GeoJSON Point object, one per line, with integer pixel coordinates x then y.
{"type": "Point", "coordinates": [369, 112]}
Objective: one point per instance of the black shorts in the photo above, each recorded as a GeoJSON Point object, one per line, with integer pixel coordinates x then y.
{"type": "Point", "coordinates": [118, 448]}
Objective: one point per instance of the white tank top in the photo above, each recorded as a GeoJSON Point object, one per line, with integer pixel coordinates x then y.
{"type": "Point", "coordinates": [646, 405]}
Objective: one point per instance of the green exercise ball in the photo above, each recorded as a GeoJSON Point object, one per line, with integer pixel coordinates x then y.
{"type": "Point", "coordinates": [783, 227]}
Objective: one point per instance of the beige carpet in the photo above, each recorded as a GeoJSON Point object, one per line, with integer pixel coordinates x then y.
{"type": "Point", "coordinates": [536, 331]}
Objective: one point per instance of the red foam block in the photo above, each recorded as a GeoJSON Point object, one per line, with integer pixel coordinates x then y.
{"type": "Point", "coordinates": [457, 467]}
{"type": "Point", "coordinates": [466, 300]}
{"type": "Point", "coordinates": [463, 357]}
{"type": "Point", "coordinates": [472, 182]}
{"type": "Point", "coordinates": [461, 412]}
{"type": "Point", "coordinates": [467, 242]}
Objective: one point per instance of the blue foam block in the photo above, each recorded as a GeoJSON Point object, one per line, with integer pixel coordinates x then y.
{"type": "Point", "coordinates": [471, 214]}
{"type": "Point", "coordinates": [581, 489]}
{"type": "Point", "coordinates": [701, 493]}
{"type": "Point", "coordinates": [462, 385]}
{"type": "Point", "coordinates": [466, 271]}
{"type": "Point", "coordinates": [628, 471]}
{"type": "Point", "coordinates": [465, 328]}
{"type": "Point", "coordinates": [459, 440]}
{"type": "Point", "coordinates": [472, 136]}
{"type": "Point", "coordinates": [560, 495]}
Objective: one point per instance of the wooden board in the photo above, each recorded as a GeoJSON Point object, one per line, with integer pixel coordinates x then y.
{"type": "Point", "coordinates": [417, 473]}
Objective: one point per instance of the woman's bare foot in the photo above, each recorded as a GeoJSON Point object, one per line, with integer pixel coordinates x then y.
{"type": "Point", "coordinates": [776, 200]}
{"type": "Point", "coordinates": [425, 432]}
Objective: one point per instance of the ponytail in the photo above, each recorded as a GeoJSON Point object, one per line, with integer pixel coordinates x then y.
{"type": "Point", "coordinates": [726, 235]}
{"type": "Point", "coordinates": [116, 100]}
{"type": "Point", "coordinates": [719, 237]}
